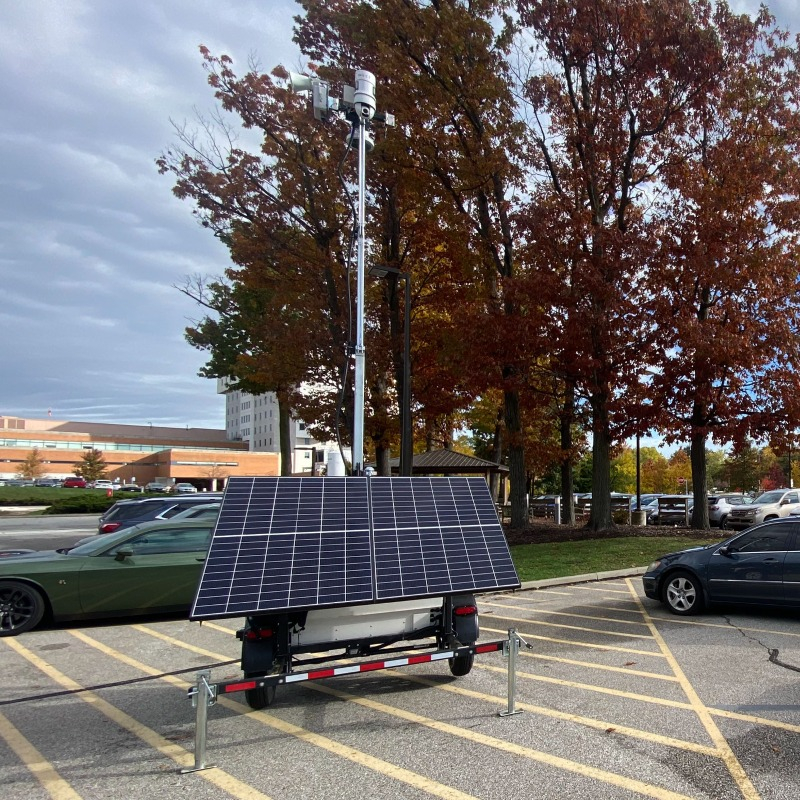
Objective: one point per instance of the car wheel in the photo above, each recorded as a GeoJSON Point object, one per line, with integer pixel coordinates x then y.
{"type": "Point", "coordinates": [723, 523]}
{"type": "Point", "coordinates": [21, 608]}
{"type": "Point", "coordinates": [461, 665]}
{"type": "Point", "coordinates": [683, 594]}
{"type": "Point", "coordinates": [260, 698]}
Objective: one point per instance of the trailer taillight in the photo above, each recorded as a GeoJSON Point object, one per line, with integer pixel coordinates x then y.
{"type": "Point", "coordinates": [465, 611]}
{"type": "Point", "coordinates": [254, 635]}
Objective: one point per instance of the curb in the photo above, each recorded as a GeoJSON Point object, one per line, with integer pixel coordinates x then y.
{"type": "Point", "coordinates": [587, 578]}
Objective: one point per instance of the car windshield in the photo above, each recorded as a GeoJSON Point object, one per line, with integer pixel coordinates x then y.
{"type": "Point", "coordinates": [770, 497]}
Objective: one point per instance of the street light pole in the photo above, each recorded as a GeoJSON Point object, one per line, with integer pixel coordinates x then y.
{"type": "Point", "coordinates": [406, 435]}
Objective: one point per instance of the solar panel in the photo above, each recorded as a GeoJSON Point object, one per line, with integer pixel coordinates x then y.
{"type": "Point", "coordinates": [283, 543]}
{"type": "Point", "coordinates": [288, 543]}
{"type": "Point", "coordinates": [437, 536]}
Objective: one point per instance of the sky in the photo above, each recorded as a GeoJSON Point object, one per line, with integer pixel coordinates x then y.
{"type": "Point", "coordinates": [92, 241]}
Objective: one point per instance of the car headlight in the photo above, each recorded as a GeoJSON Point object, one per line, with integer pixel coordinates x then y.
{"type": "Point", "coordinates": [654, 566]}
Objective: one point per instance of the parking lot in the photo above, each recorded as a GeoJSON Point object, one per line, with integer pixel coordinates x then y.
{"type": "Point", "coordinates": [619, 699]}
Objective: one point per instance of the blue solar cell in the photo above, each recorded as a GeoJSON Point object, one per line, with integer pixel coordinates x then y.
{"type": "Point", "coordinates": [284, 543]}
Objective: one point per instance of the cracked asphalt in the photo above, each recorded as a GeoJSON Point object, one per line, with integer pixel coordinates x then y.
{"type": "Point", "coordinates": [619, 699]}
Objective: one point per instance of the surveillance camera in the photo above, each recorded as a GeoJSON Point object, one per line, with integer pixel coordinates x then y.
{"type": "Point", "coordinates": [364, 97]}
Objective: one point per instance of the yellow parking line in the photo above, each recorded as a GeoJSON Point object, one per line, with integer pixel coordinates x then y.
{"type": "Point", "coordinates": [378, 765]}
{"type": "Point", "coordinates": [604, 667]}
{"type": "Point", "coordinates": [733, 764]}
{"type": "Point", "coordinates": [42, 769]}
{"type": "Point", "coordinates": [567, 614]}
{"type": "Point", "coordinates": [558, 762]}
{"type": "Point", "coordinates": [604, 647]}
{"type": "Point", "coordinates": [588, 687]}
{"type": "Point", "coordinates": [575, 627]}
{"type": "Point", "coordinates": [724, 626]}
{"type": "Point", "coordinates": [589, 722]}
{"type": "Point", "coordinates": [219, 778]}
{"type": "Point", "coordinates": [598, 589]}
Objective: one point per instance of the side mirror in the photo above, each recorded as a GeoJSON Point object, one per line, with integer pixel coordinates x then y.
{"type": "Point", "coordinates": [123, 553]}
{"type": "Point", "coordinates": [726, 550]}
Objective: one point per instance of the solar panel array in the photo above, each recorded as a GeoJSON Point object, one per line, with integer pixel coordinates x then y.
{"type": "Point", "coordinates": [283, 543]}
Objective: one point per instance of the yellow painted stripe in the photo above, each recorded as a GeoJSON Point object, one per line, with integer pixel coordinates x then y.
{"type": "Point", "coordinates": [378, 765]}
{"type": "Point", "coordinates": [589, 722]}
{"type": "Point", "coordinates": [568, 614]}
{"type": "Point", "coordinates": [474, 736]}
{"type": "Point", "coordinates": [731, 628]}
{"type": "Point", "coordinates": [771, 723]}
{"type": "Point", "coordinates": [599, 589]}
{"type": "Point", "coordinates": [733, 764]}
{"type": "Point", "coordinates": [603, 667]}
{"type": "Point", "coordinates": [604, 647]}
{"type": "Point", "coordinates": [183, 758]}
{"type": "Point", "coordinates": [588, 687]}
{"type": "Point", "coordinates": [543, 591]}
{"type": "Point", "coordinates": [42, 769]}
{"type": "Point", "coordinates": [529, 621]}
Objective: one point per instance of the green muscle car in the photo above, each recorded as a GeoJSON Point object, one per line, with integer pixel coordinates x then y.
{"type": "Point", "coordinates": [149, 569]}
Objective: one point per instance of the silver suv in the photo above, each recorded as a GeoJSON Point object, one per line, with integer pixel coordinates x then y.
{"type": "Point", "coordinates": [770, 505]}
{"type": "Point", "coordinates": [721, 505]}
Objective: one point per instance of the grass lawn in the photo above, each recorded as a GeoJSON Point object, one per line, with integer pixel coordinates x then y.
{"type": "Point", "coordinates": [558, 559]}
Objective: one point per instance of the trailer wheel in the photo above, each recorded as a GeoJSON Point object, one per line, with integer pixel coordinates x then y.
{"type": "Point", "coordinates": [461, 665]}
{"type": "Point", "coordinates": [260, 698]}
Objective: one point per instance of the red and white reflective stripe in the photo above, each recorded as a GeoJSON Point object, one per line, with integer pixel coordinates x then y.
{"type": "Point", "coordinates": [372, 665]}
{"type": "Point", "coordinates": [353, 669]}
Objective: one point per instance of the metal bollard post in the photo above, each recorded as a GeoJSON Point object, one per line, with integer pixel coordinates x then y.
{"type": "Point", "coordinates": [511, 648]}
{"type": "Point", "coordinates": [203, 696]}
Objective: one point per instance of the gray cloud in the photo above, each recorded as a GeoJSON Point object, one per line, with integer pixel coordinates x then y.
{"type": "Point", "coordinates": [93, 241]}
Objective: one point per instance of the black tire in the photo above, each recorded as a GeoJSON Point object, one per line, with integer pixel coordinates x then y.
{"type": "Point", "coordinates": [683, 594]}
{"type": "Point", "coordinates": [260, 698]}
{"type": "Point", "coordinates": [461, 665]}
{"type": "Point", "coordinates": [21, 608]}
{"type": "Point", "coordinates": [723, 523]}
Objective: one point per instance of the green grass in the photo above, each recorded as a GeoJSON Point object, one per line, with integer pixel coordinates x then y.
{"type": "Point", "coordinates": [558, 559]}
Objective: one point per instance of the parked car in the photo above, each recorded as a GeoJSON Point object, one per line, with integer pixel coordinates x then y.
{"type": "Point", "coordinates": [775, 504]}
{"type": "Point", "coordinates": [150, 569]}
{"type": "Point", "coordinates": [102, 483]}
{"type": "Point", "coordinates": [21, 482]}
{"type": "Point", "coordinates": [155, 486]}
{"type": "Point", "coordinates": [760, 566]}
{"type": "Point", "coordinates": [185, 488]}
{"type": "Point", "coordinates": [720, 505]}
{"type": "Point", "coordinates": [74, 483]}
{"type": "Point", "coordinates": [131, 487]}
{"type": "Point", "coordinates": [51, 483]}
{"type": "Point", "coordinates": [126, 513]}
{"type": "Point", "coordinates": [208, 511]}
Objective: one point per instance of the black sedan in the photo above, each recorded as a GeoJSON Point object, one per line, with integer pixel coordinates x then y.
{"type": "Point", "coordinates": [760, 566]}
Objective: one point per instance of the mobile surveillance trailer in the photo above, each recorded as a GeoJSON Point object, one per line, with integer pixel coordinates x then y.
{"type": "Point", "coordinates": [351, 567]}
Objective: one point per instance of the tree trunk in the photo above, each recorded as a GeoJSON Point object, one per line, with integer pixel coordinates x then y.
{"type": "Point", "coordinates": [382, 461]}
{"type": "Point", "coordinates": [497, 457]}
{"type": "Point", "coordinates": [600, 517]}
{"type": "Point", "coordinates": [567, 418]}
{"type": "Point", "coordinates": [697, 455]}
{"type": "Point", "coordinates": [284, 433]}
{"type": "Point", "coordinates": [516, 460]}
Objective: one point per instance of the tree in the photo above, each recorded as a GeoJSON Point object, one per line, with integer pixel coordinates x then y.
{"type": "Point", "coordinates": [725, 295]}
{"type": "Point", "coordinates": [609, 87]}
{"type": "Point", "coordinates": [32, 466]}
{"type": "Point", "coordinates": [91, 466]}
{"type": "Point", "coordinates": [450, 85]}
